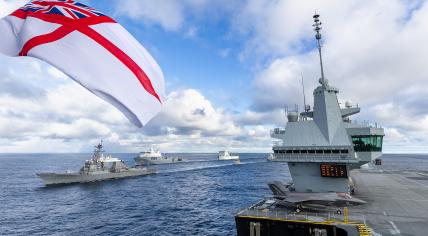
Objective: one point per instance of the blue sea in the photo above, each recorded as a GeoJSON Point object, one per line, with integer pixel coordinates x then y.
{"type": "Point", "coordinates": [199, 197]}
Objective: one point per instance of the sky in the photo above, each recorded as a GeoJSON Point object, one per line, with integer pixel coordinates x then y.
{"type": "Point", "coordinates": [230, 69]}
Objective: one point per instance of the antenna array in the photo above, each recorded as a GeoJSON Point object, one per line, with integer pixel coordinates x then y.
{"type": "Point", "coordinates": [317, 28]}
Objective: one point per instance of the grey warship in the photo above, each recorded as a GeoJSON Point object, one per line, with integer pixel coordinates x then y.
{"type": "Point", "coordinates": [99, 167]}
{"type": "Point", "coordinates": [155, 157]}
{"type": "Point", "coordinates": [330, 194]}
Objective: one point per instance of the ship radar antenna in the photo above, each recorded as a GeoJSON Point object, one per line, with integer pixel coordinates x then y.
{"type": "Point", "coordinates": [317, 28]}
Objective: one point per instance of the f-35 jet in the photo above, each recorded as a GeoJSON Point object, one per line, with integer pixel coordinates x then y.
{"type": "Point", "coordinates": [301, 200]}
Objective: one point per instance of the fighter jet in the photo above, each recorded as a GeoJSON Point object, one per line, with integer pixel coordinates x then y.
{"type": "Point", "coordinates": [301, 200]}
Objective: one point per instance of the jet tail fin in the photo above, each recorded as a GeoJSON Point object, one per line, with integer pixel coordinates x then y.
{"type": "Point", "coordinates": [278, 188]}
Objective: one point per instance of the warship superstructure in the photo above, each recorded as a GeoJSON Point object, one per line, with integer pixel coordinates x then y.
{"type": "Point", "coordinates": [321, 146]}
{"type": "Point", "coordinates": [155, 157]}
{"type": "Point", "coordinates": [99, 167]}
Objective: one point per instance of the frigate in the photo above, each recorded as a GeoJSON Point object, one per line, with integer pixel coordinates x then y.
{"type": "Point", "coordinates": [329, 193]}
{"type": "Point", "coordinates": [99, 167]}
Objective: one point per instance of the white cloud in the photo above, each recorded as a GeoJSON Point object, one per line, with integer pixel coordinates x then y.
{"type": "Point", "coordinates": [172, 15]}
{"type": "Point", "coordinates": [278, 84]}
{"type": "Point", "coordinates": [189, 112]}
{"type": "Point", "coordinates": [257, 118]}
{"type": "Point", "coordinates": [168, 13]}
{"type": "Point", "coordinates": [65, 117]}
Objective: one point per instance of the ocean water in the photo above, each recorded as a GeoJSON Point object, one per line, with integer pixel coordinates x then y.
{"type": "Point", "coordinates": [193, 198]}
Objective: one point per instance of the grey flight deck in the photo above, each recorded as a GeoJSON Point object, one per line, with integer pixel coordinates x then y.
{"type": "Point", "coordinates": [397, 201]}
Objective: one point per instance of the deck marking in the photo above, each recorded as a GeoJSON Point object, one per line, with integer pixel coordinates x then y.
{"type": "Point", "coordinates": [394, 229]}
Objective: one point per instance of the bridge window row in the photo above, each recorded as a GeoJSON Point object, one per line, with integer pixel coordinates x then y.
{"type": "Point", "coordinates": [312, 151]}
{"type": "Point", "coordinates": [367, 143]}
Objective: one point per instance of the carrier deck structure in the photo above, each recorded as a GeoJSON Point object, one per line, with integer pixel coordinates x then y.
{"type": "Point", "coordinates": [397, 204]}
{"type": "Point", "coordinates": [324, 150]}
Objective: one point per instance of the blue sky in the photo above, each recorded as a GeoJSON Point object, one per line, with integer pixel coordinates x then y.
{"type": "Point", "coordinates": [239, 62]}
{"type": "Point", "coordinates": [207, 61]}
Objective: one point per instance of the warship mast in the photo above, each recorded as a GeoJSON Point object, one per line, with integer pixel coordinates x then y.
{"type": "Point", "coordinates": [317, 28]}
{"type": "Point", "coordinates": [323, 146]}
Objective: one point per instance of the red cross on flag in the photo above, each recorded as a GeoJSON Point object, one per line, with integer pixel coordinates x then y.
{"type": "Point", "coordinates": [92, 49]}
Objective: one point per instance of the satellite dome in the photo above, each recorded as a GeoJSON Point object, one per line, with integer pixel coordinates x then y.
{"type": "Point", "coordinates": [348, 104]}
{"type": "Point", "coordinates": [292, 116]}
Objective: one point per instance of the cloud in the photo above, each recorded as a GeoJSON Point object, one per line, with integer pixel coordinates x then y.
{"type": "Point", "coordinates": [68, 118]}
{"type": "Point", "coordinates": [188, 112]}
{"type": "Point", "coordinates": [173, 15]}
{"type": "Point", "coordinates": [404, 132]}
{"type": "Point", "coordinates": [256, 118]}
{"type": "Point", "coordinates": [168, 13]}
{"type": "Point", "coordinates": [278, 84]}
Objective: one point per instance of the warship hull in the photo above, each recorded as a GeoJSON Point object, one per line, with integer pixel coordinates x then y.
{"type": "Point", "coordinates": [70, 178]}
{"type": "Point", "coordinates": [143, 161]}
{"type": "Point", "coordinates": [228, 158]}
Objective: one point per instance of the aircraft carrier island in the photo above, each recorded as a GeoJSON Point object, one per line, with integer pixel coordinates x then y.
{"type": "Point", "coordinates": [330, 192]}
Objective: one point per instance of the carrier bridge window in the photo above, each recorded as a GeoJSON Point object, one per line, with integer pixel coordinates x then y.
{"type": "Point", "coordinates": [367, 143]}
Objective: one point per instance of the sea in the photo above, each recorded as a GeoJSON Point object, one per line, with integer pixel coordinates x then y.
{"type": "Point", "coordinates": [197, 197]}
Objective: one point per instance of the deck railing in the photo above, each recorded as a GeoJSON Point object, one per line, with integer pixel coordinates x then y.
{"type": "Point", "coordinates": [316, 217]}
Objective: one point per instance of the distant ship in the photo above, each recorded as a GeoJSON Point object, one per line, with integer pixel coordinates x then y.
{"type": "Point", "coordinates": [99, 167]}
{"type": "Point", "coordinates": [155, 157]}
{"type": "Point", "coordinates": [225, 156]}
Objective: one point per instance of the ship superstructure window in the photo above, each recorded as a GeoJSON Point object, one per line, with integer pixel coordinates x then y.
{"type": "Point", "coordinates": [313, 151]}
{"type": "Point", "coordinates": [367, 143]}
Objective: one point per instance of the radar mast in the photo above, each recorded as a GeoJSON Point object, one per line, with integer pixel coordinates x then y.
{"type": "Point", "coordinates": [317, 28]}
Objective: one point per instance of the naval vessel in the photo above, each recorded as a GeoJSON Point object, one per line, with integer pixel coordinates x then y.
{"type": "Point", "coordinates": [330, 194]}
{"type": "Point", "coordinates": [226, 156]}
{"type": "Point", "coordinates": [99, 167]}
{"type": "Point", "coordinates": [155, 157]}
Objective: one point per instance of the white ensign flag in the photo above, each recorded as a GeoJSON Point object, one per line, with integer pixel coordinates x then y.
{"type": "Point", "coordinates": [92, 49]}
